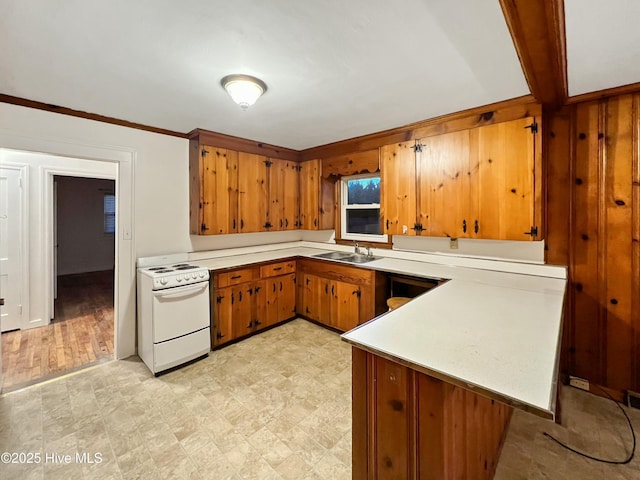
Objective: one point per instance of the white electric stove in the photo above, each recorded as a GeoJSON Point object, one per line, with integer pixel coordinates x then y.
{"type": "Point", "coordinates": [173, 311]}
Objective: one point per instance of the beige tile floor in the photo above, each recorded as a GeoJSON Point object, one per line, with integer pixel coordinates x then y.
{"type": "Point", "coordinates": [275, 406]}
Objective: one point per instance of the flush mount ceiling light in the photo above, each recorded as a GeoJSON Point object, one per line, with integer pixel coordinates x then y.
{"type": "Point", "coordinates": [244, 89]}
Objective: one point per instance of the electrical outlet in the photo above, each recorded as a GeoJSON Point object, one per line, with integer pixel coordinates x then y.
{"type": "Point", "coordinates": [453, 243]}
{"type": "Point", "coordinates": [578, 382]}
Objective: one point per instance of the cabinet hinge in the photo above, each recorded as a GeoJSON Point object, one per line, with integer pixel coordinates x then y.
{"type": "Point", "coordinates": [357, 293]}
{"type": "Point", "coordinates": [203, 152]}
{"type": "Point", "coordinates": [267, 225]}
{"type": "Point", "coordinates": [533, 127]}
{"type": "Point", "coordinates": [417, 227]}
{"type": "Point", "coordinates": [203, 228]}
{"type": "Point", "coordinates": [268, 163]}
{"type": "Point", "coordinates": [299, 168]}
{"type": "Point", "coordinates": [418, 147]}
{"type": "Point", "coordinates": [533, 232]}
{"type": "Point", "coordinates": [219, 298]}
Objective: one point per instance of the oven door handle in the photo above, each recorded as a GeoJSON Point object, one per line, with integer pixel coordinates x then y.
{"type": "Point", "coordinates": [177, 292]}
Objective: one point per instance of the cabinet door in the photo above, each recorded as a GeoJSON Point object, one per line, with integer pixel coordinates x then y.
{"type": "Point", "coordinates": [311, 296]}
{"type": "Point", "coordinates": [252, 193]}
{"type": "Point", "coordinates": [286, 297]}
{"type": "Point", "coordinates": [445, 178]}
{"type": "Point", "coordinates": [398, 188]}
{"type": "Point", "coordinates": [267, 302]}
{"type": "Point", "coordinates": [284, 198]}
{"type": "Point", "coordinates": [219, 200]}
{"type": "Point", "coordinates": [505, 153]}
{"type": "Point", "coordinates": [309, 194]}
{"type": "Point", "coordinates": [345, 305]}
{"type": "Point", "coordinates": [242, 309]}
{"type": "Point", "coordinates": [222, 316]}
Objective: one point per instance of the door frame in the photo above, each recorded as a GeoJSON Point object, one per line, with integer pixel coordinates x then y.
{"type": "Point", "coordinates": [47, 175]}
{"type": "Point", "coordinates": [125, 272]}
{"type": "Point", "coordinates": [23, 168]}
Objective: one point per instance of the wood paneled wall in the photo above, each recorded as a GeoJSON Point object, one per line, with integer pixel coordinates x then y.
{"type": "Point", "coordinates": [593, 221]}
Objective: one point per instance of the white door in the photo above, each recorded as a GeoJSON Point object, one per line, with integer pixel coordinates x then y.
{"type": "Point", "coordinates": [10, 254]}
{"type": "Point", "coordinates": [55, 244]}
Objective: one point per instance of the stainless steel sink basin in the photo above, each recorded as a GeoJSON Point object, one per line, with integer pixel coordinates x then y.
{"type": "Point", "coordinates": [354, 258]}
{"type": "Point", "coordinates": [346, 257]}
{"type": "Point", "coordinates": [334, 255]}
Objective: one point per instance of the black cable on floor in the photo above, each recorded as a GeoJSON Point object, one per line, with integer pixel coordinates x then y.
{"type": "Point", "coordinates": [612, 462]}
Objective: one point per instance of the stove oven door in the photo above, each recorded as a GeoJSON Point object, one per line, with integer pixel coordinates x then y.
{"type": "Point", "coordinates": [179, 311]}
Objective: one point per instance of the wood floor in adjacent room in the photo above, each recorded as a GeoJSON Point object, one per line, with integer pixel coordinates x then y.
{"type": "Point", "coordinates": [80, 335]}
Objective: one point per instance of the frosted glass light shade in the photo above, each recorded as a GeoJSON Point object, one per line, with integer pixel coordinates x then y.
{"type": "Point", "coordinates": [244, 89]}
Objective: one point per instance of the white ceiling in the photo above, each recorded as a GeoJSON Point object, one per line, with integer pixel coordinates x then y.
{"type": "Point", "coordinates": [334, 69]}
{"type": "Point", "coordinates": [603, 44]}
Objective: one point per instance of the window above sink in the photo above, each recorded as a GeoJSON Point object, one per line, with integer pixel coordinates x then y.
{"type": "Point", "coordinates": [360, 208]}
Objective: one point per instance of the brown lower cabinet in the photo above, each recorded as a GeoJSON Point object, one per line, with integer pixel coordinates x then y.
{"type": "Point", "coordinates": [245, 300]}
{"type": "Point", "coordinates": [410, 425]}
{"type": "Point", "coordinates": [339, 296]}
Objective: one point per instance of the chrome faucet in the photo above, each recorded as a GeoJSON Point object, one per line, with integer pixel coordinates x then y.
{"type": "Point", "coordinates": [356, 248]}
{"type": "Point", "coordinates": [369, 254]}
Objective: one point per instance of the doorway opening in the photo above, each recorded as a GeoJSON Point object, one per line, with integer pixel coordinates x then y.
{"type": "Point", "coordinates": [81, 330]}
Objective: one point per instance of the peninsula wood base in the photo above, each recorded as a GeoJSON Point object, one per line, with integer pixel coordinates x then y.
{"type": "Point", "coordinates": [408, 425]}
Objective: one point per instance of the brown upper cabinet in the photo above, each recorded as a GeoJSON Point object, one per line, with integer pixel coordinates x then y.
{"type": "Point", "coordinates": [474, 183]}
{"type": "Point", "coordinates": [237, 192]}
{"type": "Point", "coordinates": [317, 197]}
{"type": "Point", "coordinates": [284, 195]}
{"type": "Point", "coordinates": [398, 188]}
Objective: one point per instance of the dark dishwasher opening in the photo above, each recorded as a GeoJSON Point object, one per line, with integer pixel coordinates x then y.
{"type": "Point", "coordinates": [410, 287]}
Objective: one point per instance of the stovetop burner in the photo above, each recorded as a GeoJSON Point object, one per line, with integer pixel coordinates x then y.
{"type": "Point", "coordinates": [184, 267]}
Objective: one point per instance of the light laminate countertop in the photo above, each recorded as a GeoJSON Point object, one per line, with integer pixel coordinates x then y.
{"type": "Point", "coordinates": [494, 327]}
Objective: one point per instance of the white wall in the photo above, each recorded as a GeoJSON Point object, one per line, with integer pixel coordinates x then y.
{"type": "Point", "coordinates": [160, 186]}
{"type": "Point", "coordinates": [160, 194]}
{"type": "Point", "coordinates": [83, 246]}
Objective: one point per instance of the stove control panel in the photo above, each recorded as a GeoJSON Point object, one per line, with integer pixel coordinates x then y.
{"type": "Point", "coordinates": [178, 278]}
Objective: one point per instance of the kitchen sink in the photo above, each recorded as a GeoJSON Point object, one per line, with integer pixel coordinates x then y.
{"type": "Point", "coordinates": [334, 255]}
{"type": "Point", "coordinates": [355, 258]}
{"type": "Point", "coordinates": [346, 257]}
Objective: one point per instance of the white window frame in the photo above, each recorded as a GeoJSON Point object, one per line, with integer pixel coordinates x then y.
{"type": "Point", "coordinates": [344, 206]}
